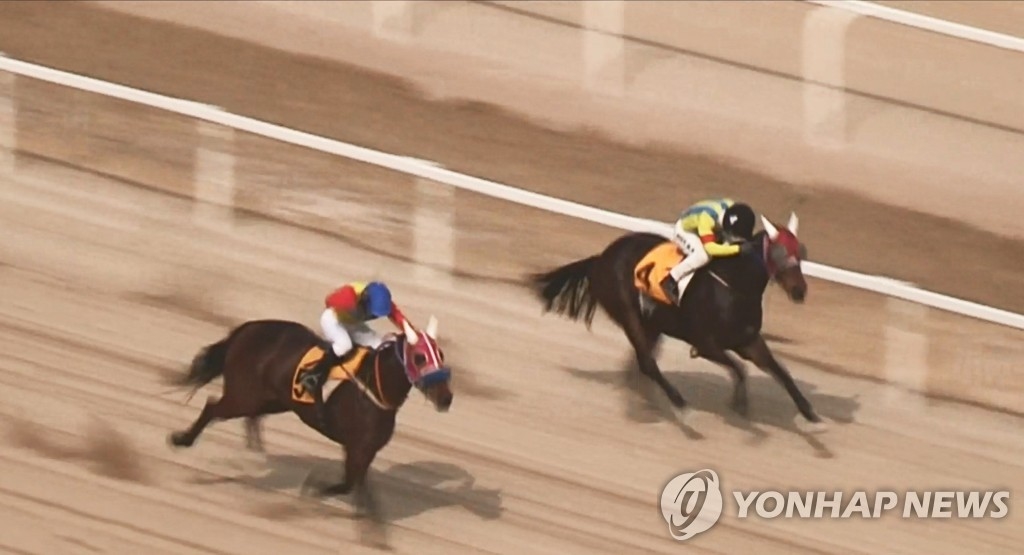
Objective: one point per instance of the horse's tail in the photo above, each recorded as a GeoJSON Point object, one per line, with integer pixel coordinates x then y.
{"type": "Point", "coordinates": [206, 366]}
{"type": "Point", "coordinates": [566, 290]}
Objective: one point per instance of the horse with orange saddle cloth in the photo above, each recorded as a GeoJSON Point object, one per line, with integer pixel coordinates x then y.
{"type": "Point", "coordinates": [262, 362]}
{"type": "Point", "coordinates": [719, 310]}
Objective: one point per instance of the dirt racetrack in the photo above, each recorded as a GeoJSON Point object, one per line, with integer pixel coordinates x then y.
{"type": "Point", "coordinates": [122, 255]}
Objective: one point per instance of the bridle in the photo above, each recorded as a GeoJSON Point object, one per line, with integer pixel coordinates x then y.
{"type": "Point", "coordinates": [420, 380]}
{"type": "Point", "coordinates": [777, 264]}
{"type": "Point", "coordinates": [399, 343]}
{"type": "Point", "coordinates": [785, 259]}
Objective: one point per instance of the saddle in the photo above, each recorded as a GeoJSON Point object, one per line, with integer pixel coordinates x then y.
{"type": "Point", "coordinates": [654, 267]}
{"type": "Point", "coordinates": [341, 372]}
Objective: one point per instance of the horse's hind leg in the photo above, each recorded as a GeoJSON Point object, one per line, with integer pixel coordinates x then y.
{"type": "Point", "coordinates": [644, 341]}
{"type": "Point", "coordinates": [254, 434]}
{"type": "Point", "coordinates": [740, 402]}
{"type": "Point", "coordinates": [758, 353]}
{"type": "Point", "coordinates": [185, 438]}
{"type": "Point", "coordinates": [220, 409]}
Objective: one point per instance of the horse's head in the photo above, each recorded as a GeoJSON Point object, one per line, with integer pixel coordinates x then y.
{"type": "Point", "coordinates": [782, 255]}
{"type": "Point", "coordinates": [424, 364]}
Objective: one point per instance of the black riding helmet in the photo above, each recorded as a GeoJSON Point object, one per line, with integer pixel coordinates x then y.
{"type": "Point", "coordinates": [738, 221]}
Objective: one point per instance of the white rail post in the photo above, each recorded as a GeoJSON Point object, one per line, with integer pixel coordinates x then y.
{"type": "Point", "coordinates": [906, 352]}
{"type": "Point", "coordinates": [392, 19]}
{"type": "Point", "coordinates": [214, 201]}
{"type": "Point", "coordinates": [604, 59]}
{"type": "Point", "coordinates": [8, 122]}
{"type": "Point", "coordinates": [823, 57]}
{"type": "Point", "coordinates": [434, 233]}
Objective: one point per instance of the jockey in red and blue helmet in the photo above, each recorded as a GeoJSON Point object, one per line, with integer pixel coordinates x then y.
{"type": "Point", "coordinates": [343, 321]}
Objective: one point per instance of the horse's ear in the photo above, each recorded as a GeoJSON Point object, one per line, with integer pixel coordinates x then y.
{"type": "Point", "coordinates": [432, 327]}
{"type": "Point", "coordinates": [793, 223]}
{"type": "Point", "coordinates": [772, 231]}
{"type": "Point", "coordinates": [410, 334]}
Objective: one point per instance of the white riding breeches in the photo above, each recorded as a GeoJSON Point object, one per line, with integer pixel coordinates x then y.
{"type": "Point", "coordinates": [343, 337]}
{"type": "Point", "coordinates": [693, 248]}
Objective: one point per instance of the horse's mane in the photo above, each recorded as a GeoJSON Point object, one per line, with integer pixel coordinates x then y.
{"type": "Point", "coordinates": [733, 269]}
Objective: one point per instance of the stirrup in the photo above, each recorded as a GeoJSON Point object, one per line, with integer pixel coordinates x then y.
{"type": "Point", "coordinates": [670, 287]}
{"type": "Point", "coordinates": [646, 305]}
{"type": "Point", "coordinates": [674, 294]}
{"type": "Point", "coordinates": [308, 382]}
{"type": "Point", "coordinates": [316, 376]}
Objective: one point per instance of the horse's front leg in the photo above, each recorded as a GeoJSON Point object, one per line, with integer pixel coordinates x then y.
{"type": "Point", "coordinates": [758, 353]}
{"type": "Point", "coordinates": [357, 465]}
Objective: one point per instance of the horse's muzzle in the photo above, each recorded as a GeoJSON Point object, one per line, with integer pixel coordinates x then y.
{"type": "Point", "coordinates": [440, 396]}
{"type": "Point", "coordinates": [435, 387]}
{"type": "Point", "coordinates": [444, 401]}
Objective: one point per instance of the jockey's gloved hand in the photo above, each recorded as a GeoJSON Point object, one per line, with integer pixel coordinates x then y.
{"type": "Point", "coordinates": [748, 247]}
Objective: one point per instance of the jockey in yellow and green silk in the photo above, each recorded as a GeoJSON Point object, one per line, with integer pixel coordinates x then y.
{"type": "Point", "coordinates": [709, 229]}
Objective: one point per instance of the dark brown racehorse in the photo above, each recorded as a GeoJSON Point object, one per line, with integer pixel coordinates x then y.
{"type": "Point", "coordinates": [721, 309]}
{"type": "Point", "coordinates": [258, 361]}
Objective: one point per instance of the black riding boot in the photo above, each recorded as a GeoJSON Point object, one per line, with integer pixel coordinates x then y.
{"type": "Point", "coordinates": [313, 380]}
{"type": "Point", "coordinates": [670, 287]}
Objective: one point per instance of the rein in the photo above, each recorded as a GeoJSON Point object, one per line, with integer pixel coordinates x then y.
{"type": "Point", "coordinates": [719, 279]}
{"type": "Point", "coordinates": [769, 266]}
{"type": "Point", "coordinates": [378, 398]}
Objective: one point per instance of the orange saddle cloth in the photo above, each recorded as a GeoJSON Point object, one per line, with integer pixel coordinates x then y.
{"type": "Point", "coordinates": [339, 372]}
{"type": "Point", "coordinates": [653, 268]}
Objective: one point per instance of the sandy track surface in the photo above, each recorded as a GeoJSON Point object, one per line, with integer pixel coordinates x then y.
{"type": "Point", "coordinates": [114, 274]}
{"type": "Point", "coordinates": [112, 285]}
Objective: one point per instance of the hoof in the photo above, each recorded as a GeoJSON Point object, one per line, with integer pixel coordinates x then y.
{"type": "Point", "coordinates": [373, 535]}
{"type": "Point", "coordinates": [817, 427]}
{"type": "Point", "coordinates": [179, 439]}
{"type": "Point", "coordinates": [740, 402]}
{"type": "Point", "coordinates": [255, 446]}
{"type": "Point", "coordinates": [310, 486]}
{"type": "Point", "coordinates": [316, 487]}
{"type": "Point", "coordinates": [331, 491]}
{"type": "Point", "coordinates": [676, 399]}
{"type": "Point", "coordinates": [684, 415]}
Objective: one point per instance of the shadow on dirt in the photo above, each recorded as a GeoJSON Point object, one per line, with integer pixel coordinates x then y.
{"type": "Point", "coordinates": [402, 491]}
{"type": "Point", "coordinates": [709, 392]}
{"type": "Point", "coordinates": [106, 451]}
